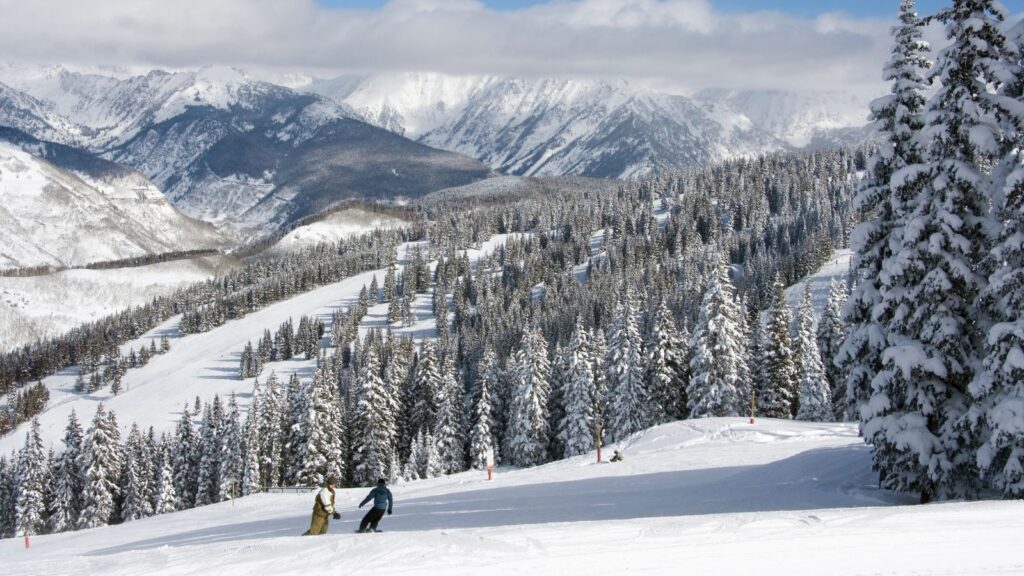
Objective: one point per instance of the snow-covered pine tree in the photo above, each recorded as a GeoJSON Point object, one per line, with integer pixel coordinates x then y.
{"type": "Point", "coordinates": [100, 467]}
{"type": "Point", "coordinates": [396, 378]}
{"type": "Point", "coordinates": [664, 365]}
{"type": "Point", "coordinates": [411, 470]}
{"type": "Point", "coordinates": [271, 435]}
{"type": "Point", "coordinates": [230, 449]}
{"type": "Point", "coordinates": [883, 202]}
{"type": "Point", "coordinates": [528, 422]}
{"type": "Point", "coordinates": [135, 503]}
{"type": "Point", "coordinates": [556, 401]}
{"type": "Point", "coordinates": [998, 389]}
{"type": "Point", "coordinates": [292, 433]}
{"type": "Point", "coordinates": [716, 365]}
{"type": "Point", "coordinates": [481, 436]}
{"type": "Point", "coordinates": [449, 427]}
{"type": "Point", "coordinates": [319, 455]}
{"type": "Point", "coordinates": [390, 284]}
{"type": "Point", "coordinates": [830, 335]}
{"type": "Point", "coordinates": [430, 464]}
{"type": "Point", "coordinates": [68, 483]}
{"type": "Point", "coordinates": [184, 461]}
{"type": "Point", "coordinates": [207, 481]}
{"type": "Point", "coordinates": [373, 423]}
{"type": "Point", "coordinates": [576, 429]}
{"type": "Point", "coordinates": [935, 277]}
{"type": "Point", "coordinates": [425, 389]}
{"type": "Point", "coordinates": [489, 376]}
{"type": "Point", "coordinates": [33, 479]}
{"type": "Point", "coordinates": [250, 480]}
{"type": "Point", "coordinates": [165, 499]}
{"type": "Point", "coordinates": [815, 395]}
{"type": "Point", "coordinates": [628, 397]}
{"type": "Point", "coordinates": [780, 385]}
{"type": "Point", "coordinates": [8, 491]}
{"type": "Point", "coordinates": [599, 353]}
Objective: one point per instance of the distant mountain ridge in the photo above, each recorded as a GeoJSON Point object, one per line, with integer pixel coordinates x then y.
{"type": "Point", "coordinates": [247, 155]}
{"type": "Point", "coordinates": [251, 156]}
{"type": "Point", "coordinates": [593, 127]}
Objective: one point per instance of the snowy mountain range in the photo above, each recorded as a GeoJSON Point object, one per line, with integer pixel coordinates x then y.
{"type": "Point", "coordinates": [62, 207]}
{"type": "Point", "coordinates": [588, 127]}
{"type": "Point", "coordinates": [227, 148]}
{"type": "Point", "coordinates": [252, 155]}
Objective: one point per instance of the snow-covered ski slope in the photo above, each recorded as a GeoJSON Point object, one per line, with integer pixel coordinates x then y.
{"type": "Point", "coordinates": [207, 363]}
{"type": "Point", "coordinates": [713, 496]}
{"type": "Point", "coordinates": [837, 269]}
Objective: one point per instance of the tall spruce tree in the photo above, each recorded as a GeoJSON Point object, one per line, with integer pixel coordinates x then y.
{"type": "Point", "coordinates": [69, 482]}
{"type": "Point", "coordinates": [935, 277]}
{"type": "Point", "coordinates": [101, 468]}
{"type": "Point", "coordinates": [166, 498]}
{"type": "Point", "coordinates": [136, 502]}
{"type": "Point", "coordinates": [664, 365]}
{"type": "Point", "coordinates": [576, 429]}
{"type": "Point", "coordinates": [481, 435]}
{"type": "Point", "coordinates": [883, 202]}
{"type": "Point", "coordinates": [373, 423]}
{"type": "Point", "coordinates": [449, 427]}
{"type": "Point", "coordinates": [185, 462]}
{"type": "Point", "coordinates": [998, 388]}
{"type": "Point", "coordinates": [528, 422]}
{"type": "Point", "coordinates": [718, 357]}
{"type": "Point", "coordinates": [815, 395]}
{"type": "Point", "coordinates": [33, 479]}
{"type": "Point", "coordinates": [628, 397]}
{"type": "Point", "coordinates": [830, 334]}
{"type": "Point", "coordinates": [230, 450]}
{"type": "Point", "coordinates": [780, 380]}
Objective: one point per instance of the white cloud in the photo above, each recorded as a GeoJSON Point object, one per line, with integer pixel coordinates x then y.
{"type": "Point", "coordinates": [670, 42]}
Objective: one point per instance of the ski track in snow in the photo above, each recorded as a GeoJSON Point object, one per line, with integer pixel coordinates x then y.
{"type": "Point", "coordinates": [206, 364]}
{"type": "Point", "coordinates": [705, 496]}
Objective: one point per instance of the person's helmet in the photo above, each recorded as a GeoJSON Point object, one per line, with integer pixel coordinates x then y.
{"type": "Point", "coordinates": [331, 481]}
{"type": "Point", "coordinates": [381, 481]}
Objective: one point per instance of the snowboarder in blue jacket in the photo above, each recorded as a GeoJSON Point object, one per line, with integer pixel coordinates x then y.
{"type": "Point", "coordinates": [382, 501]}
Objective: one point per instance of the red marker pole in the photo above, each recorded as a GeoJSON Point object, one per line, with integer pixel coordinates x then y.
{"type": "Point", "coordinates": [490, 464]}
{"type": "Point", "coordinates": [26, 538]}
{"type": "Point", "coordinates": [597, 439]}
{"type": "Point", "coordinates": [753, 406]}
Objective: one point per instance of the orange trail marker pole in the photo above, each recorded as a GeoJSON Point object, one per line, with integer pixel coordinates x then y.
{"type": "Point", "coordinates": [753, 406]}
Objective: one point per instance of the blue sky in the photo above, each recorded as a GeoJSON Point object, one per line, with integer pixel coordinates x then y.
{"type": "Point", "coordinates": [858, 8]}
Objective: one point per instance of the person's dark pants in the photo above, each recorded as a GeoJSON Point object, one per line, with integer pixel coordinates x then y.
{"type": "Point", "coordinates": [371, 519]}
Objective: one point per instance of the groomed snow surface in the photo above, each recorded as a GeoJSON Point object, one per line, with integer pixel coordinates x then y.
{"type": "Point", "coordinates": [713, 496]}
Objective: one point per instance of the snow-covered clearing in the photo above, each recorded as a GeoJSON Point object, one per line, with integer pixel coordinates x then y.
{"type": "Point", "coordinates": [337, 226]}
{"type": "Point", "coordinates": [836, 269]}
{"type": "Point", "coordinates": [36, 307]}
{"type": "Point", "coordinates": [206, 364]}
{"type": "Point", "coordinates": [713, 496]}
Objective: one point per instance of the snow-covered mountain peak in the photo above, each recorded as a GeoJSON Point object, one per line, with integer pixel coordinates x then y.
{"type": "Point", "coordinates": [795, 117]}
{"type": "Point", "coordinates": [406, 103]}
{"type": "Point", "coordinates": [214, 86]}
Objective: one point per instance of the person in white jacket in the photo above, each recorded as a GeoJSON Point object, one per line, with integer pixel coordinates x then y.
{"type": "Point", "coordinates": [323, 506]}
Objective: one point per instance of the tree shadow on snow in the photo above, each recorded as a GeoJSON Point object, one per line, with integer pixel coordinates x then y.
{"type": "Point", "coordinates": [221, 533]}
{"type": "Point", "coordinates": [817, 479]}
{"type": "Point", "coordinates": [812, 480]}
